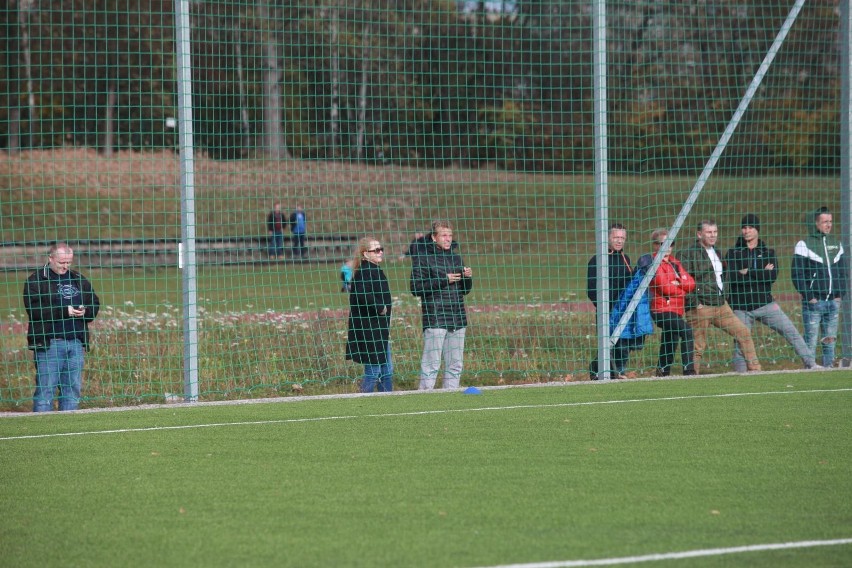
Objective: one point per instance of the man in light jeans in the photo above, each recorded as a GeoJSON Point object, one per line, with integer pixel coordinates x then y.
{"type": "Point", "coordinates": [819, 275]}
{"type": "Point", "coordinates": [441, 281]}
{"type": "Point", "coordinates": [752, 269]}
{"type": "Point", "coordinates": [438, 342]}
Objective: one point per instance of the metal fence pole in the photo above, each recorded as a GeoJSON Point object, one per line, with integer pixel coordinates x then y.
{"type": "Point", "coordinates": [187, 182]}
{"type": "Point", "coordinates": [601, 186]}
{"type": "Point", "coordinates": [845, 175]}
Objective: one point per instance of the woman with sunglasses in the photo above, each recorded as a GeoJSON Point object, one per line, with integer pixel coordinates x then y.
{"type": "Point", "coordinates": [669, 288]}
{"type": "Point", "coordinates": [368, 339]}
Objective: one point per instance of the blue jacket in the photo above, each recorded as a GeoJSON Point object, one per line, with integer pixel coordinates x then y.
{"type": "Point", "coordinates": [640, 323]}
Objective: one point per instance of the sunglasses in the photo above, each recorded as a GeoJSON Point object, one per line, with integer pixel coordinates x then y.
{"type": "Point", "coordinates": [380, 249]}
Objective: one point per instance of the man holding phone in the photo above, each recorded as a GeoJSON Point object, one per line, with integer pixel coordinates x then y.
{"type": "Point", "coordinates": [441, 281]}
{"type": "Point", "coordinates": [60, 304]}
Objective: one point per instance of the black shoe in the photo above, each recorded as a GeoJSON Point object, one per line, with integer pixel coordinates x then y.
{"type": "Point", "coordinates": [661, 373]}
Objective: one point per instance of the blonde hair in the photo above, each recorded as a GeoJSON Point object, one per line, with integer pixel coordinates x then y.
{"type": "Point", "coordinates": [441, 224]}
{"type": "Point", "coordinates": [655, 236]}
{"type": "Point", "coordinates": [363, 246]}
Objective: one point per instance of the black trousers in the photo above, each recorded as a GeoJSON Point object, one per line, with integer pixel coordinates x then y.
{"type": "Point", "coordinates": [674, 330]}
{"type": "Point", "coordinates": [618, 355]}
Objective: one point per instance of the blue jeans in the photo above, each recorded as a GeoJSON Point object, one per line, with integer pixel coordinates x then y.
{"type": "Point", "coordinates": [60, 365]}
{"type": "Point", "coordinates": [378, 374]}
{"type": "Point", "coordinates": [299, 248]}
{"type": "Point", "coordinates": [276, 244]}
{"type": "Point", "coordinates": [821, 319]}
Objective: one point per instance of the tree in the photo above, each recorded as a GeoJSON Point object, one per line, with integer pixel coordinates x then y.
{"type": "Point", "coordinates": [274, 144]}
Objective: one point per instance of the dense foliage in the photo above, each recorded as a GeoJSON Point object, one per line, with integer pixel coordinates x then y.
{"type": "Point", "coordinates": [428, 83]}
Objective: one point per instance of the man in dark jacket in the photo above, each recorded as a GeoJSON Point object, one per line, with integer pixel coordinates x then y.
{"type": "Point", "coordinates": [751, 269]}
{"type": "Point", "coordinates": [441, 281]}
{"type": "Point", "coordinates": [706, 305]}
{"type": "Point", "coordinates": [60, 303]}
{"type": "Point", "coordinates": [620, 275]}
{"type": "Point", "coordinates": [819, 275]}
{"type": "Point", "coordinates": [275, 227]}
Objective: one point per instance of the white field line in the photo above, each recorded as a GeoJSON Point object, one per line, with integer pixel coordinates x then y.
{"type": "Point", "coordinates": [679, 555]}
{"type": "Point", "coordinates": [417, 413]}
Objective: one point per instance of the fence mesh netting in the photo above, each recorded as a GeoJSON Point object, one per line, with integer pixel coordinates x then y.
{"type": "Point", "coordinates": [375, 119]}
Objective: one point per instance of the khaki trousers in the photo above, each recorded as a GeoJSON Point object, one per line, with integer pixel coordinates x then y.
{"type": "Point", "coordinates": [721, 317]}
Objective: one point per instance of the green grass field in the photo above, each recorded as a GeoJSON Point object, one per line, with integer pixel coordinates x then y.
{"type": "Point", "coordinates": [562, 474]}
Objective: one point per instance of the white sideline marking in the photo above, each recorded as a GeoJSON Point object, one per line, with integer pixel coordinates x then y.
{"type": "Point", "coordinates": [679, 555]}
{"type": "Point", "coordinates": [415, 413]}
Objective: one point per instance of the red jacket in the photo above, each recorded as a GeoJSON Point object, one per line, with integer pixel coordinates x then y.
{"type": "Point", "coordinates": [670, 286]}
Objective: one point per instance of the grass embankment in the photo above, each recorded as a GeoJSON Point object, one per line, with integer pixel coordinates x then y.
{"type": "Point", "coordinates": [265, 328]}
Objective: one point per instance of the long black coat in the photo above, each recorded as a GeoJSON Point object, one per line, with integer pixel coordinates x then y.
{"type": "Point", "coordinates": [369, 331]}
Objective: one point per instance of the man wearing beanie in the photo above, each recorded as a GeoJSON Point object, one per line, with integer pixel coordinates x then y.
{"type": "Point", "coordinates": [819, 274]}
{"type": "Point", "coordinates": [752, 269]}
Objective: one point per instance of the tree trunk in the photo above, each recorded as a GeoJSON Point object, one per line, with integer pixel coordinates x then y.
{"type": "Point", "coordinates": [109, 120]}
{"type": "Point", "coordinates": [334, 118]}
{"type": "Point", "coordinates": [12, 61]}
{"type": "Point", "coordinates": [245, 127]}
{"type": "Point", "coordinates": [274, 145]}
{"type": "Point", "coordinates": [362, 91]}
{"type": "Point", "coordinates": [25, 7]}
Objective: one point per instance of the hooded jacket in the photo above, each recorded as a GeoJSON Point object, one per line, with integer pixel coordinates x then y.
{"type": "Point", "coordinates": [441, 301]}
{"type": "Point", "coordinates": [819, 266]}
{"type": "Point", "coordinates": [666, 295]}
{"type": "Point", "coordinates": [640, 323]}
{"type": "Point", "coordinates": [752, 290]}
{"type": "Point", "coordinates": [47, 310]}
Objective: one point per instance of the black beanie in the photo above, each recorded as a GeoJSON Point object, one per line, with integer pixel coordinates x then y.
{"type": "Point", "coordinates": [751, 220]}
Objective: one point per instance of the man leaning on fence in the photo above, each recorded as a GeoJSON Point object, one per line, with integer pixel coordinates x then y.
{"type": "Point", "coordinates": [60, 304]}
{"type": "Point", "coordinates": [819, 274]}
{"type": "Point", "coordinates": [752, 268]}
{"type": "Point", "coordinates": [620, 275]}
{"type": "Point", "coordinates": [706, 305]}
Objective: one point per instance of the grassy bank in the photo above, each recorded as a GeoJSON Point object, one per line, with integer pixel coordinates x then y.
{"type": "Point", "coordinates": [267, 327]}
